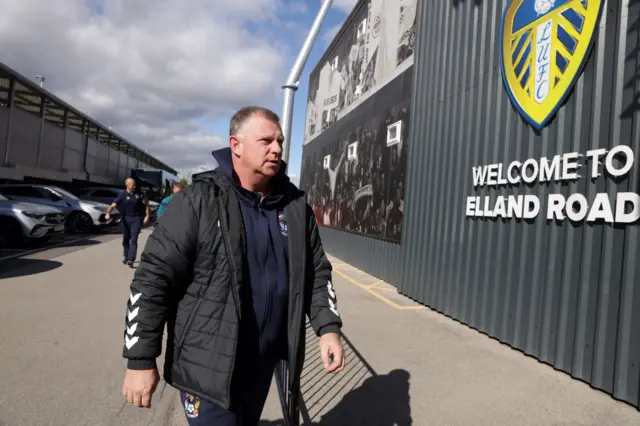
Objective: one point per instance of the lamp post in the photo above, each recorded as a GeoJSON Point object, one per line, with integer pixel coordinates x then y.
{"type": "Point", "coordinates": [291, 85]}
{"type": "Point", "coordinates": [40, 78]}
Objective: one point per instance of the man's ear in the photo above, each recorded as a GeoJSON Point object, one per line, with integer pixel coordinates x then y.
{"type": "Point", "coordinates": [236, 145]}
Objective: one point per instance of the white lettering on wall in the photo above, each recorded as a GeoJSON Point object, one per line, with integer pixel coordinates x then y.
{"type": "Point", "coordinates": [624, 207]}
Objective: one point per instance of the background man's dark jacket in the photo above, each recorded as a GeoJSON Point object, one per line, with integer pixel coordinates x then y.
{"type": "Point", "coordinates": [192, 275]}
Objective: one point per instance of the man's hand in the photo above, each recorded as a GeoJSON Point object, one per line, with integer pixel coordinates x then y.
{"type": "Point", "coordinates": [146, 219]}
{"type": "Point", "coordinates": [331, 347]}
{"type": "Point", "coordinates": [107, 216]}
{"type": "Point", "coordinates": [139, 385]}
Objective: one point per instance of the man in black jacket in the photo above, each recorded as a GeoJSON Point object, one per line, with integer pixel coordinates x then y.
{"type": "Point", "coordinates": [232, 268]}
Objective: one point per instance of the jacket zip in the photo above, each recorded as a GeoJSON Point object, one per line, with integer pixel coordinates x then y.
{"type": "Point", "coordinates": [268, 287]}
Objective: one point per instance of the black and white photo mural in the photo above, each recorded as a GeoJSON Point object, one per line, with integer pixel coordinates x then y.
{"type": "Point", "coordinates": [373, 47]}
{"type": "Point", "coordinates": [355, 181]}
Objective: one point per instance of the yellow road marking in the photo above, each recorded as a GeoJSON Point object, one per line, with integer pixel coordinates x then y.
{"type": "Point", "coordinates": [369, 289]}
{"type": "Point", "coordinates": [375, 284]}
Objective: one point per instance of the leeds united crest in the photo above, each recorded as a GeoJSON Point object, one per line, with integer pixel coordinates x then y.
{"type": "Point", "coordinates": [544, 45]}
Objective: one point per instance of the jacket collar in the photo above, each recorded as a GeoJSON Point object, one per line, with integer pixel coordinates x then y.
{"type": "Point", "coordinates": [224, 177]}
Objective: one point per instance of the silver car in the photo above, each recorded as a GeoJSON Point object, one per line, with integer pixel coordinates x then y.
{"type": "Point", "coordinates": [108, 195]}
{"type": "Point", "coordinates": [21, 221]}
{"type": "Point", "coordinates": [81, 216]}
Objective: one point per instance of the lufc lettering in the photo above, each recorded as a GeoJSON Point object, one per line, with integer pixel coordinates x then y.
{"type": "Point", "coordinates": [616, 163]}
{"type": "Point", "coordinates": [543, 62]}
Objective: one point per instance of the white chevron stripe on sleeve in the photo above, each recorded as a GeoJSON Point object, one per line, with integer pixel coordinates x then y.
{"type": "Point", "coordinates": [133, 298]}
{"type": "Point", "coordinates": [130, 342]}
{"type": "Point", "coordinates": [132, 314]}
{"type": "Point", "coordinates": [332, 307]}
{"type": "Point", "coordinates": [330, 289]}
{"type": "Point", "coordinates": [132, 329]}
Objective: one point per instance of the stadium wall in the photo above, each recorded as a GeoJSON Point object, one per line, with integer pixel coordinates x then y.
{"type": "Point", "coordinates": [43, 139]}
{"type": "Point", "coordinates": [356, 145]}
{"type": "Point", "coordinates": [564, 290]}
{"type": "Point", "coordinates": [560, 285]}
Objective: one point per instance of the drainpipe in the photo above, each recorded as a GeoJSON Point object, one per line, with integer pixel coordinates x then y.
{"type": "Point", "coordinates": [43, 111]}
{"type": "Point", "coordinates": [85, 134]}
{"type": "Point", "coordinates": [10, 101]}
{"type": "Point", "coordinates": [291, 85]}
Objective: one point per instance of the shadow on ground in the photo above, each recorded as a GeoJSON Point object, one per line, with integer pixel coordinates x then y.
{"type": "Point", "coordinates": [25, 267]}
{"type": "Point", "coordinates": [356, 396]}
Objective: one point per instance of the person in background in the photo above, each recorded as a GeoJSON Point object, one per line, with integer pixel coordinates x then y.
{"type": "Point", "coordinates": [177, 187]}
{"type": "Point", "coordinates": [134, 210]}
{"type": "Point", "coordinates": [232, 269]}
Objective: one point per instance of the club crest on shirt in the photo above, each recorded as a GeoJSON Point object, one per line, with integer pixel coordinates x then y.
{"type": "Point", "coordinates": [191, 405]}
{"type": "Point", "coordinates": [284, 229]}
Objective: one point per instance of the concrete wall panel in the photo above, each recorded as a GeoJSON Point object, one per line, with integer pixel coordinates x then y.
{"type": "Point", "coordinates": [52, 147]}
{"type": "Point", "coordinates": [25, 132]}
{"type": "Point", "coordinates": [75, 140]}
{"type": "Point", "coordinates": [73, 160]}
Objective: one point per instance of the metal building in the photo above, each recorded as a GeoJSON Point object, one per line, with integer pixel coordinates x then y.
{"type": "Point", "coordinates": [44, 138]}
{"type": "Point", "coordinates": [519, 201]}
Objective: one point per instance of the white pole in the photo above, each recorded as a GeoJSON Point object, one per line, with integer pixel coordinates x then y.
{"type": "Point", "coordinates": [291, 85]}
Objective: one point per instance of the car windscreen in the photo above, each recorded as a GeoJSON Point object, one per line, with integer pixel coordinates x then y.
{"type": "Point", "coordinates": [64, 193]}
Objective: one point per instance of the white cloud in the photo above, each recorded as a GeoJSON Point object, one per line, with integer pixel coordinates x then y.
{"type": "Point", "coordinates": [154, 68]}
{"type": "Point", "coordinates": [344, 5]}
{"type": "Point", "coordinates": [330, 34]}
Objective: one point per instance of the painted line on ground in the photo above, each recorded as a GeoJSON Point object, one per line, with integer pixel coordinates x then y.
{"type": "Point", "coordinates": [377, 295]}
{"type": "Point", "coordinates": [374, 284]}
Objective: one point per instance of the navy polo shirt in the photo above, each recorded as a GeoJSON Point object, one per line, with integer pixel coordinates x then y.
{"type": "Point", "coordinates": [130, 205]}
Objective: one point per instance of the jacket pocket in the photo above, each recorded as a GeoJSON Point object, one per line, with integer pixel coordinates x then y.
{"type": "Point", "coordinates": [187, 326]}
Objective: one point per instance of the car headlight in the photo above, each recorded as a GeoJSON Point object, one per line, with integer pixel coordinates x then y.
{"type": "Point", "coordinates": [34, 215]}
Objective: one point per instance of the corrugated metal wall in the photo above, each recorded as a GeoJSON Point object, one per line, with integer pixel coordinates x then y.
{"type": "Point", "coordinates": [379, 258]}
{"type": "Point", "coordinates": [566, 294]}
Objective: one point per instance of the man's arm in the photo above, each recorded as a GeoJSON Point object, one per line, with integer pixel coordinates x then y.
{"type": "Point", "coordinates": [147, 210]}
{"type": "Point", "coordinates": [166, 260]}
{"type": "Point", "coordinates": [322, 308]}
{"type": "Point", "coordinates": [115, 204]}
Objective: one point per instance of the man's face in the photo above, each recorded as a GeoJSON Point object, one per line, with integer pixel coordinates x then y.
{"type": "Point", "coordinates": [258, 146]}
{"type": "Point", "coordinates": [131, 185]}
{"type": "Point", "coordinates": [176, 189]}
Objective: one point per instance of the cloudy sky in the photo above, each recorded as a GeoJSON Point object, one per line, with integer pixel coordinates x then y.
{"type": "Point", "coordinates": [167, 73]}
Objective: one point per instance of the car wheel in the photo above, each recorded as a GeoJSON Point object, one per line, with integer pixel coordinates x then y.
{"type": "Point", "coordinates": [79, 223]}
{"type": "Point", "coordinates": [10, 232]}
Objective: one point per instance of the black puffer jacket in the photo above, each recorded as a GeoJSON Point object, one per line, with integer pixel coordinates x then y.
{"type": "Point", "coordinates": [191, 275]}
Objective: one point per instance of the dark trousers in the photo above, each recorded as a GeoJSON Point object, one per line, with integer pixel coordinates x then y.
{"type": "Point", "coordinates": [130, 230]}
{"type": "Point", "coordinates": [249, 394]}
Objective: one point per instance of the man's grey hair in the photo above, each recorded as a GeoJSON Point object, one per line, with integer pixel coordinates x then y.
{"type": "Point", "coordinates": [245, 113]}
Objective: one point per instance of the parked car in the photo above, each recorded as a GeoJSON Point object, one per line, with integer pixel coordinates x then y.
{"type": "Point", "coordinates": [81, 216]}
{"type": "Point", "coordinates": [108, 194]}
{"type": "Point", "coordinates": [20, 221]}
